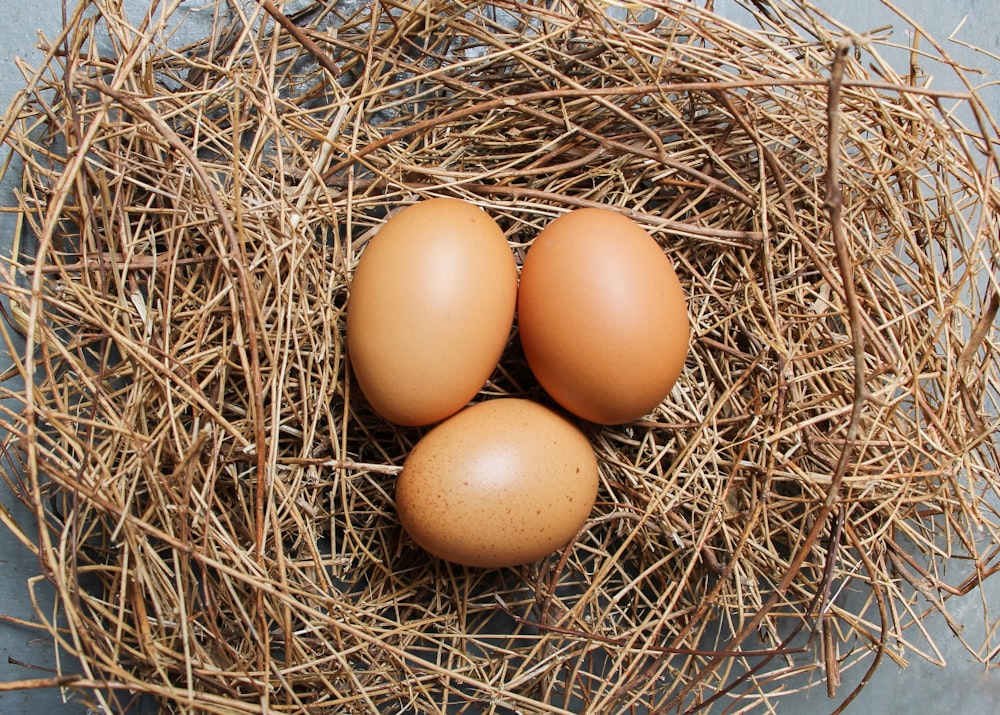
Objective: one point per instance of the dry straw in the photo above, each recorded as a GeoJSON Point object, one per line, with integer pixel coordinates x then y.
{"type": "Point", "coordinates": [214, 500]}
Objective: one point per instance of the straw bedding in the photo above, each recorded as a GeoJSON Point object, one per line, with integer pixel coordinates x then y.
{"type": "Point", "coordinates": [214, 499]}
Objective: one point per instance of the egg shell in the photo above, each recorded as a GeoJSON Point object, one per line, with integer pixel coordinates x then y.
{"type": "Point", "coordinates": [602, 316]}
{"type": "Point", "coordinates": [502, 483]}
{"type": "Point", "coordinates": [430, 310]}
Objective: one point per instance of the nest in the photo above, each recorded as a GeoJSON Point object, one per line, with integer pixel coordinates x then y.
{"type": "Point", "coordinates": [213, 497]}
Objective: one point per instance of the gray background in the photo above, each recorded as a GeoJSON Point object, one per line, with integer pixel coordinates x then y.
{"type": "Point", "coordinates": [963, 687]}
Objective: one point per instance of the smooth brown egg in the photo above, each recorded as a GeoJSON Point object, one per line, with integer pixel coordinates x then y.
{"type": "Point", "coordinates": [430, 310]}
{"type": "Point", "coordinates": [602, 316]}
{"type": "Point", "coordinates": [502, 483]}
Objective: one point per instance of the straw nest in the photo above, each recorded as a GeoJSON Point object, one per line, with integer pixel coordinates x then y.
{"type": "Point", "coordinates": [214, 500]}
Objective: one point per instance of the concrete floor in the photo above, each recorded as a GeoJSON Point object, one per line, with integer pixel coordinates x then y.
{"type": "Point", "coordinates": [962, 687]}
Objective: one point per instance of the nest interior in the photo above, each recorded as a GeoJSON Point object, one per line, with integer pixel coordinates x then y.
{"type": "Point", "coordinates": [214, 499]}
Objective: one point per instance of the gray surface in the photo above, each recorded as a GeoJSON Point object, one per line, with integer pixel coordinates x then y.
{"type": "Point", "coordinates": [964, 686]}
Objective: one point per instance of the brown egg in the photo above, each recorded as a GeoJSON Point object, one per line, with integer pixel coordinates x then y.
{"type": "Point", "coordinates": [430, 310]}
{"type": "Point", "coordinates": [602, 316]}
{"type": "Point", "coordinates": [502, 483]}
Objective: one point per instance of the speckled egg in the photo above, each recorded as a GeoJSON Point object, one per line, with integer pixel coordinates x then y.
{"type": "Point", "coordinates": [430, 310]}
{"type": "Point", "coordinates": [602, 316]}
{"type": "Point", "coordinates": [502, 483]}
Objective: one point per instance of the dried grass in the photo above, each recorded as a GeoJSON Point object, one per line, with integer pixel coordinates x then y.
{"type": "Point", "coordinates": [213, 497]}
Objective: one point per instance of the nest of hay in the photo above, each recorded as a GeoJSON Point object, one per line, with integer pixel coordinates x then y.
{"type": "Point", "coordinates": [214, 499]}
